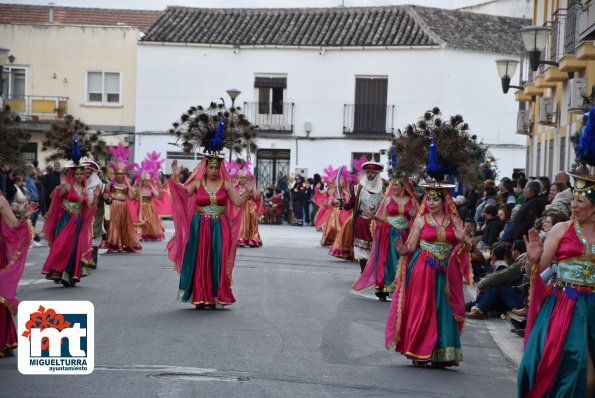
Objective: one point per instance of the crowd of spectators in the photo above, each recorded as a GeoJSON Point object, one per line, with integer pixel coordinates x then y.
{"type": "Point", "coordinates": [497, 217]}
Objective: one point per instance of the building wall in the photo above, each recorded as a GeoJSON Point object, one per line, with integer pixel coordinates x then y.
{"type": "Point", "coordinates": [67, 52]}
{"type": "Point", "coordinates": [506, 8]}
{"type": "Point", "coordinates": [172, 78]}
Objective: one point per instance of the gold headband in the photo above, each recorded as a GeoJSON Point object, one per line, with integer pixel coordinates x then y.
{"type": "Point", "coordinates": [435, 193]}
{"type": "Point", "coordinates": [213, 160]}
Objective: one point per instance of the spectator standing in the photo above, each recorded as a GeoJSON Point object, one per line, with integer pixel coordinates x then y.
{"type": "Point", "coordinates": [298, 198]}
{"type": "Point", "coordinates": [50, 181]}
{"type": "Point", "coordinates": [281, 181]}
{"type": "Point", "coordinates": [34, 197]}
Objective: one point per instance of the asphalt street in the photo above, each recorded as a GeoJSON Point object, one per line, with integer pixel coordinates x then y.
{"type": "Point", "coordinates": [296, 330]}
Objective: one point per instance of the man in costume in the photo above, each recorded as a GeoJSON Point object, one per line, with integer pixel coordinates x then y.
{"type": "Point", "coordinates": [365, 202]}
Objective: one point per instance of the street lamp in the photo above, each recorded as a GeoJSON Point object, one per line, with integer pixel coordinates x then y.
{"type": "Point", "coordinates": [506, 69]}
{"type": "Point", "coordinates": [535, 39]}
{"type": "Point", "coordinates": [3, 59]}
{"type": "Point", "coordinates": [233, 94]}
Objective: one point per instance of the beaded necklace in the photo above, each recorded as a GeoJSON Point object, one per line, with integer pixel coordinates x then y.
{"type": "Point", "coordinates": [588, 248]}
{"type": "Point", "coordinates": [212, 195]}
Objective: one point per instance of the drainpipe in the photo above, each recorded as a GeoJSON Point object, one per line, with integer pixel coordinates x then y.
{"type": "Point", "coordinates": [51, 13]}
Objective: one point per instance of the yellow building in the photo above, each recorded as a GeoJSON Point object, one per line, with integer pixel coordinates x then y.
{"type": "Point", "coordinates": [78, 61]}
{"type": "Point", "coordinates": [554, 97]}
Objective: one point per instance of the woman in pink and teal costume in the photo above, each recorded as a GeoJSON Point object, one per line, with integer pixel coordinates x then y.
{"type": "Point", "coordinates": [207, 209]}
{"type": "Point", "coordinates": [68, 227]}
{"type": "Point", "coordinates": [427, 312]}
{"type": "Point", "coordinates": [560, 333]}
{"type": "Point", "coordinates": [393, 220]}
{"type": "Point", "coordinates": [207, 218]}
{"type": "Point", "coordinates": [16, 236]}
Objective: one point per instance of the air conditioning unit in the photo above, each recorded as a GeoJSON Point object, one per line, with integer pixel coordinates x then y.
{"type": "Point", "coordinates": [546, 111]}
{"type": "Point", "coordinates": [576, 92]}
{"type": "Point", "coordinates": [524, 123]}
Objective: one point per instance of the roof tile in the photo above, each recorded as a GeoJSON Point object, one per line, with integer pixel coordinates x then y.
{"type": "Point", "coordinates": [340, 27]}
{"type": "Point", "coordinates": [30, 14]}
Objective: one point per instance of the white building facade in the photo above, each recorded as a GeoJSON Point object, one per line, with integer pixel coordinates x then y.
{"type": "Point", "coordinates": [317, 105]}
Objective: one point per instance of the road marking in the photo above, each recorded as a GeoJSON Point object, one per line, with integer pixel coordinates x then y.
{"type": "Point", "coordinates": [368, 296]}
{"type": "Point", "coordinates": [27, 282]}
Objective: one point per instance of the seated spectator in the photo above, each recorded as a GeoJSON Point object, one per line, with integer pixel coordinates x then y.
{"type": "Point", "coordinates": [506, 192]}
{"type": "Point", "coordinates": [493, 225]}
{"type": "Point", "coordinates": [478, 262]}
{"type": "Point", "coordinates": [489, 198]}
{"type": "Point", "coordinates": [529, 211]}
{"type": "Point", "coordinates": [273, 209]}
{"type": "Point", "coordinates": [495, 291]}
{"type": "Point", "coordinates": [561, 201]}
{"type": "Point", "coordinates": [507, 234]}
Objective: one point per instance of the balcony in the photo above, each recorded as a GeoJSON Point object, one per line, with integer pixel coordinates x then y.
{"type": "Point", "coordinates": [368, 119]}
{"type": "Point", "coordinates": [586, 20]}
{"type": "Point", "coordinates": [271, 117]}
{"type": "Point", "coordinates": [38, 107]}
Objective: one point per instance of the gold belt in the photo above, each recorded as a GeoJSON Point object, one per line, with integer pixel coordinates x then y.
{"type": "Point", "coordinates": [73, 207]}
{"type": "Point", "coordinates": [213, 210]}
{"type": "Point", "coordinates": [146, 199]}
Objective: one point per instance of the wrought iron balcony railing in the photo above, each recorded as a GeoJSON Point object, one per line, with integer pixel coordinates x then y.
{"type": "Point", "coordinates": [368, 119]}
{"type": "Point", "coordinates": [38, 107]}
{"type": "Point", "coordinates": [276, 116]}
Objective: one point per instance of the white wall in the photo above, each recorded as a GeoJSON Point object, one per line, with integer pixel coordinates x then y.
{"type": "Point", "coordinates": [172, 78]}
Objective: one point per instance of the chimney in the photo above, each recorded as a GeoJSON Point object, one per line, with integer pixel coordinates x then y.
{"type": "Point", "coordinates": [51, 12]}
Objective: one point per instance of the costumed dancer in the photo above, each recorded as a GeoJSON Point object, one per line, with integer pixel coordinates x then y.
{"type": "Point", "coordinates": [253, 208]}
{"type": "Point", "coordinates": [393, 221]}
{"type": "Point", "coordinates": [323, 198]}
{"type": "Point", "coordinates": [365, 202]}
{"type": "Point", "coordinates": [342, 246]}
{"type": "Point", "coordinates": [16, 236]}
{"type": "Point", "coordinates": [427, 313]}
{"type": "Point", "coordinates": [560, 335]}
{"type": "Point", "coordinates": [68, 225]}
{"type": "Point", "coordinates": [207, 208]}
{"type": "Point", "coordinates": [102, 200]}
{"type": "Point", "coordinates": [145, 213]}
{"type": "Point", "coordinates": [338, 215]}
{"type": "Point", "coordinates": [121, 234]}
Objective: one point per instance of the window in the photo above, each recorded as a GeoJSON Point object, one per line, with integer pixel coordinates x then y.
{"type": "Point", "coordinates": [14, 86]}
{"type": "Point", "coordinates": [270, 94]}
{"type": "Point", "coordinates": [370, 104]}
{"type": "Point", "coordinates": [562, 153]}
{"type": "Point", "coordinates": [103, 88]}
{"type": "Point", "coordinates": [29, 152]}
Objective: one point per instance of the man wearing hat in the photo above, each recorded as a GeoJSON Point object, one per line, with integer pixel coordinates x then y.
{"type": "Point", "coordinates": [365, 202]}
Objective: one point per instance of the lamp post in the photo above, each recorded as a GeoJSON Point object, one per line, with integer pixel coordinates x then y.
{"type": "Point", "coordinates": [506, 69]}
{"type": "Point", "coordinates": [535, 39]}
{"type": "Point", "coordinates": [3, 59]}
{"type": "Point", "coordinates": [233, 94]}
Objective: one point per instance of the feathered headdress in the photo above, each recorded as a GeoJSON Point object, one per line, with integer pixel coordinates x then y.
{"type": "Point", "coordinates": [232, 168]}
{"type": "Point", "coordinates": [72, 139]}
{"type": "Point", "coordinates": [446, 145]}
{"type": "Point", "coordinates": [584, 147]}
{"type": "Point", "coordinates": [329, 174]}
{"type": "Point", "coordinates": [150, 166]}
{"type": "Point", "coordinates": [358, 163]}
{"type": "Point", "coordinates": [120, 154]}
{"type": "Point", "coordinates": [245, 168]}
{"type": "Point", "coordinates": [214, 129]}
